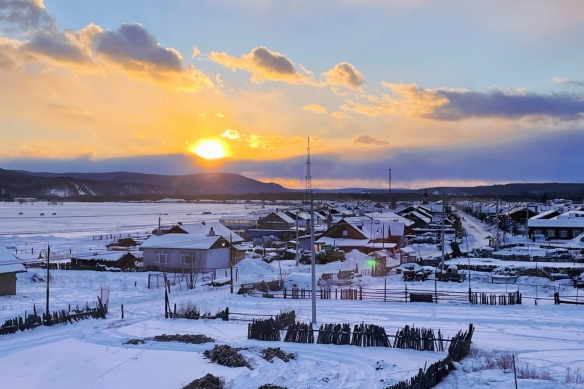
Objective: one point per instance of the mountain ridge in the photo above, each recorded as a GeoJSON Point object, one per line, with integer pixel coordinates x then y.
{"type": "Point", "coordinates": [122, 184]}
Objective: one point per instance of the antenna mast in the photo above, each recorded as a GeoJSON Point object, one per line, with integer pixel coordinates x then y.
{"type": "Point", "coordinates": [308, 185]}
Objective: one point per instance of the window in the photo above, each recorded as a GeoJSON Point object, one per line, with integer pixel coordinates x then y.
{"type": "Point", "coordinates": [563, 233]}
{"type": "Point", "coordinates": [161, 256]}
{"type": "Point", "coordinates": [186, 259]}
{"type": "Point", "coordinates": [551, 233]}
{"type": "Point", "coordinates": [345, 232]}
{"type": "Point", "coordinates": [575, 233]}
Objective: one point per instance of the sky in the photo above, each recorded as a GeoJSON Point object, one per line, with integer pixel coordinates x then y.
{"type": "Point", "coordinates": [442, 93]}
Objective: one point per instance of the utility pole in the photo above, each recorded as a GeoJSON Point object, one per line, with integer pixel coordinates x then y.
{"type": "Point", "coordinates": [308, 190]}
{"type": "Point", "coordinates": [443, 243]}
{"type": "Point", "coordinates": [312, 258]}
{"type": "Point", "coordinates": [497, 236]}
{"type": "Point", "coordinates": [308, 184]}
{"type": "Point", "coordinates": [390, 196]}
{"type": "Point", "coordinates": [297, 249]}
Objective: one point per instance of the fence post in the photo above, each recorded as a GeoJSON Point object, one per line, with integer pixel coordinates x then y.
{"type": "Point", "coordinates": [360, 293]}
{"type": "Point", "coordinates": [148, 280]}
{"type": "Point", "coordinates": [165, 304]}
{"type": "Point", "coordinates": [227, 314]}
{"type": "Point", "coordinates": [122, 310]}
{"type": "Point", "coordinates": [384, 289]}
{"type": "Point", "coordinates": [406, 292]}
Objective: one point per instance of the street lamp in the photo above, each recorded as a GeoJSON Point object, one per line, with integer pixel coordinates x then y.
{"type": "Point", "coordinates": [48, 253]}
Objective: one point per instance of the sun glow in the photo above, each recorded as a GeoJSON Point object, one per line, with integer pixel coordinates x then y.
{"type": "Point", "coordinates": [209, 149]}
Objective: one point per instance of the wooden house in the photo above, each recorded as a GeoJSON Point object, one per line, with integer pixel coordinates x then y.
{"type": "Point", "coordinates": [278, 221]}
{"type": "Point", "coordinates": [109, 260]}
{"type": "Point", "coordinates": [367, 233]}
{"type": "Point", "coordinates": [9, 266]}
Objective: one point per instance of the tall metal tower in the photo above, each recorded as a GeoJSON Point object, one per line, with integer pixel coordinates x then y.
{"type": "Point", "coordinates": [308, 185]}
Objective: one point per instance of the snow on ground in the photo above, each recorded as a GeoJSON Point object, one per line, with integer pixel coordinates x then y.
{"type": "Point", "coordinates": [91, 353]}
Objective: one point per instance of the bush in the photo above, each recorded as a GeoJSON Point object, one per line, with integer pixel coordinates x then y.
{"type": "Point", "coordinates": [492, 359]}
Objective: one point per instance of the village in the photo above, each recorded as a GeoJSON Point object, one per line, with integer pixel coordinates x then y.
{"type": "Point", "coordinates": [254, 261]}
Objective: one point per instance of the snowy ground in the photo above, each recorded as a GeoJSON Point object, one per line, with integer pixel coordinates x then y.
{"type": "Point", "coordinates": [91, 354]}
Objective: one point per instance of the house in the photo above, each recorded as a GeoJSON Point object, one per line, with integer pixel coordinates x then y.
{"type": "Point", "coordinates": [209, 228]}
{"type": "Point", "coordinates": [187, 252]}
{"type": "Point", "coordinates": [367, 233]}
{"type": "Point", "coordinates": [276, 221]}
{"type": "Point", "coordinates": [9, 266]}
{"type": "Point", "coordinates": [239, 222]}
{"type": "Point", "coordinates": [420, 215]}
{"type": "Point", "coordinates": [555, 226]}
{"type": "Point", "coordinates": [109, 260]}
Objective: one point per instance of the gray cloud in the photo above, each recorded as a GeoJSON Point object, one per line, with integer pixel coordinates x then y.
{"type": "Point", "coordinates": [26, 14]}
{"type": "Point", "coordinates": [264, 64]}
{"type": "Point", "coordinates": [344, 74]}
{"type": "Point", "coordinates": [275, 62]}
{"type": "Point", "coordinates": [133, 48]}
{"type": "Point", "coordinates": [369, 140]}
{"type": "Point", "coordinates": [57, 46]}
{"type": "Point", "coordinates": [467, 104]}
{"type": "Point", "coordinates": [552, 157]}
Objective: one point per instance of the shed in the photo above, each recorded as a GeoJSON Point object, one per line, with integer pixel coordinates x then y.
{"type": "Point", "coordinates": [9, 266]}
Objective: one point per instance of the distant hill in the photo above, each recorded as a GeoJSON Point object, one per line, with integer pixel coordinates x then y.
{"type": "Point", "coordinates": [124, 184]}
{"type": "Point", "coordinates": [138, 185]}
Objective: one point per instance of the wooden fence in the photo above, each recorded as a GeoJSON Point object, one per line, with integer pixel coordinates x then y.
{"type": "Point", "coordinates": [575, 300]}
{"type": "Point", "coordinates": [512, 298]}
{"type": "Point", "coordinates": [429, 377]}
{"type": "Point", "coordinates": [299, 333]}
{"type": "Point", "coordinates": [33, 320]}
{"type": "Point", "coordinates": [369, 335]}
{"type": "Point", "coordinates": [407, 294]}
{"type": "Point", "coordinates": [270, 329]}
{"type": "Point", "coordinates": [334, 334]}
{"type": "Point", "coordinates": [418, 339]}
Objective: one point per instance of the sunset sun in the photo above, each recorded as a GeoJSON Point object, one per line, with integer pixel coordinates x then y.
{"type": "Point", "coordinates": [209, 149]}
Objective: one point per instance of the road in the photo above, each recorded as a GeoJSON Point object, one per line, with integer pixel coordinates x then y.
{"type": "Point", "coordinates": [476, 229]}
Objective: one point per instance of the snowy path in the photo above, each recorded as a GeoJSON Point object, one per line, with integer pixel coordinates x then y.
{"type": "Point", "coordinates": [476, 229]}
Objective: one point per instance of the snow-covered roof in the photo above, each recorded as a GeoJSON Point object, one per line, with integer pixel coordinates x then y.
{"type": "Point", "coordinates": [342, 242]}
{"type": "Point", "coordinates": [380, 245]}
{"type": "Point", "coordinates": [203, 229]}
{"type": "Point", "coordinates": [408, 250]}
{"type": "Point", "coordinates": [180, 241]}
{"type": "Point", "coordinates": [110, 256]}
{"type": "Point", "coordinates": [420, 216]}
{"type": "Point", "coordinates": [8, 262]}
{"type": "Point", "coordinates": [557, 222]}
{"type": "Point", "coordinates": [543, 214]}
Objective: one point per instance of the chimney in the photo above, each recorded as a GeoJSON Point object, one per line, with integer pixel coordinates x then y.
{"type": "Point", "coordinates": [211, 232]}
{"type": "Point", "coordinates": [203, 223]}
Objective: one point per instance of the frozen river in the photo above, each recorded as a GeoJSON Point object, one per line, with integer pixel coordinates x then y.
{"type": "Point", "coordinates": [87, 219]}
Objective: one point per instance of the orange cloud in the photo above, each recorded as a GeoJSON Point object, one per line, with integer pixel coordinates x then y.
{"type": "Point", "coordinates": [265, 65]}
{"type": "Point", "coordinates": [340, 115]}
{"type": "Point", "coordinates": [136, 52]}
{"type": "Point", "coordinates": [404, 99]}
{"type": "Point", "coordinates": [315, 108]}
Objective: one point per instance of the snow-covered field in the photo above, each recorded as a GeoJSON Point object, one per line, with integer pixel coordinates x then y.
{"type": "Point", "coordinates": [91, 353]}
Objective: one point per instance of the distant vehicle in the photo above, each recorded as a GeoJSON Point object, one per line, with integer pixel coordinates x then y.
{"type": "Point", "coordinates": [305, 257]}
{"type": "Point", "coordinates": [270, 257]}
